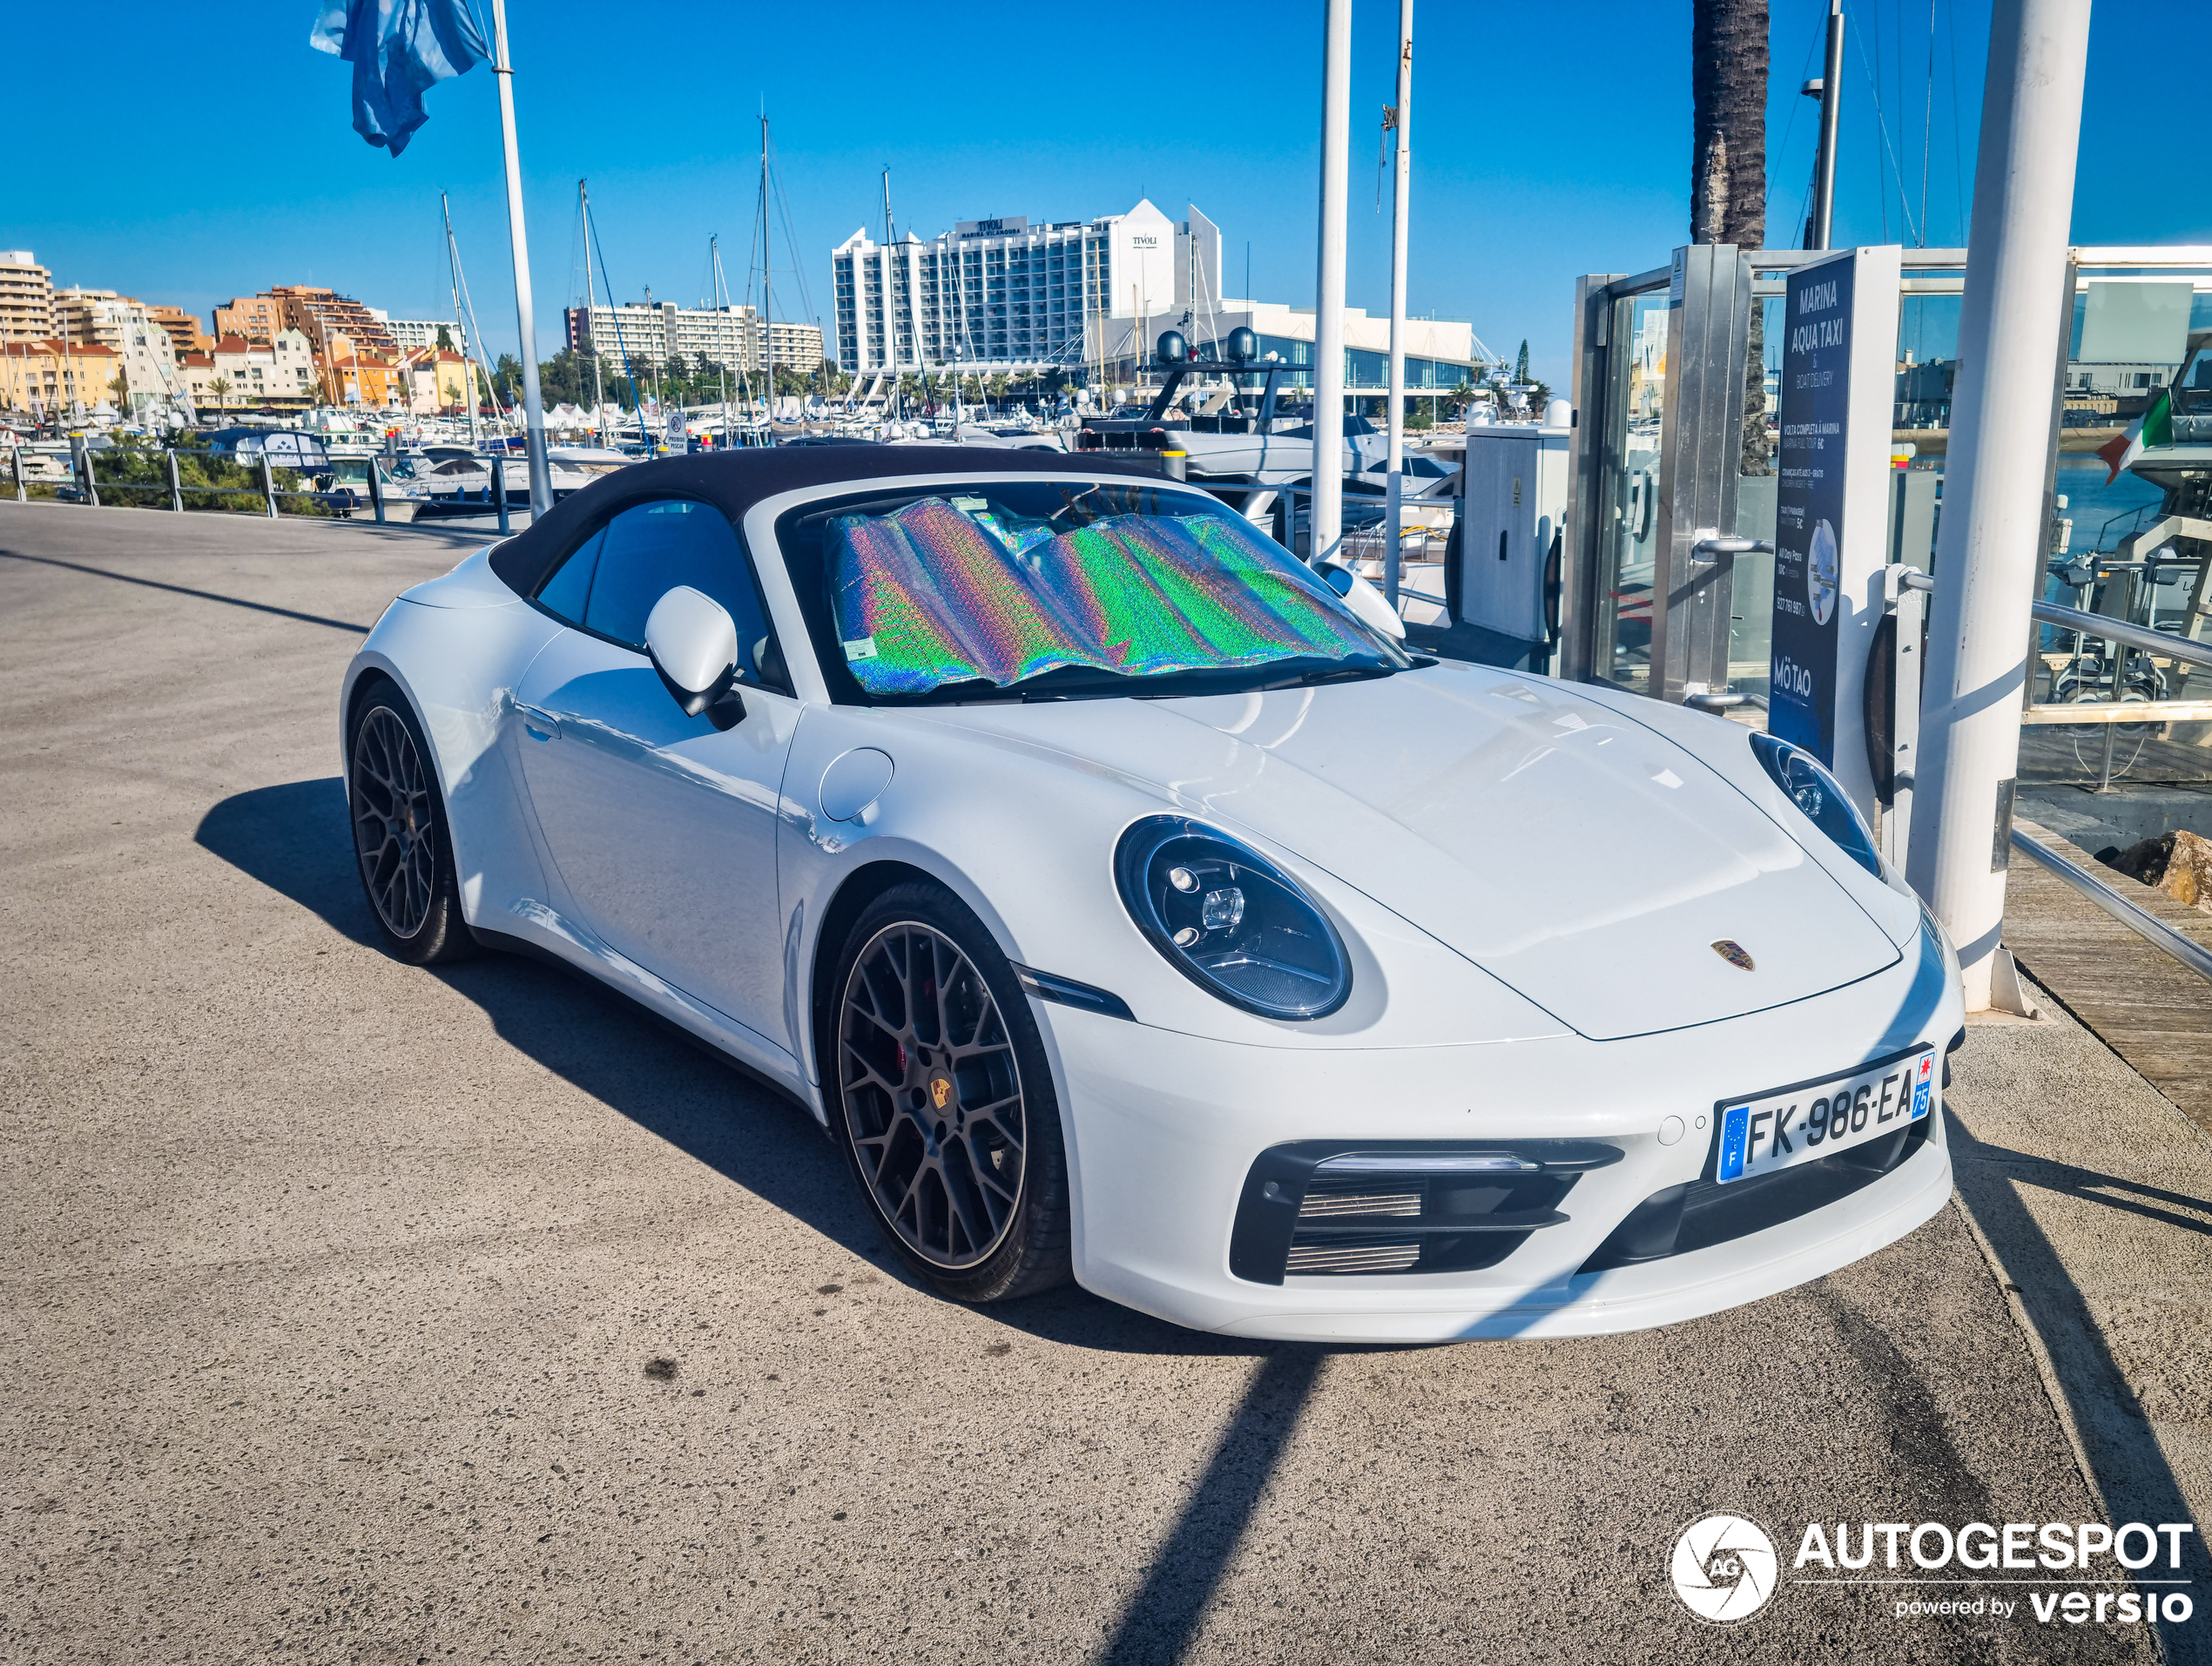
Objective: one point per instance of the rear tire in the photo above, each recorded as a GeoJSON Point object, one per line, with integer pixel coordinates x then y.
{"type": "Point", "coordinates": [940, 1095]}
{"type": "Point", "coordinates": [402, 846]}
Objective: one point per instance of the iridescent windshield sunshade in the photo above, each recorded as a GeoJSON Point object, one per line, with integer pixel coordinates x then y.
{"type": "Point", "coordinates": [934, 595]}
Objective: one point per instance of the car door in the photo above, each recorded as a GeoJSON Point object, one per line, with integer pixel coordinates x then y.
{"type": "Point", "coordinates": [662, 828]}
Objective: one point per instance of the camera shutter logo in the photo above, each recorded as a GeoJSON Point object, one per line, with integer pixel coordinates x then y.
{"type": "Point", "coordinates": [1724, 1569]}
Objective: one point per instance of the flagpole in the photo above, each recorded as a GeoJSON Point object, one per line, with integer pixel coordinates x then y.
{"type": "Point", "coordinates": [1394, 483]}
{"type": "Point", "coordinates": [1325, 532]}
{"type": "Point", "coordinates": [525, 324]}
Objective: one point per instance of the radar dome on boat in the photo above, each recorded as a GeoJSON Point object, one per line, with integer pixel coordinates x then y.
{"type": "Point", "coordinates": [1243, 347]}
{"type": "Point", "coordinates": [1171, 347]}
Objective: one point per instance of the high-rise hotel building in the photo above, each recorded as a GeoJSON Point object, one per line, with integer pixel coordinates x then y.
{"type": "Point", "coordinates": [1004, 294]}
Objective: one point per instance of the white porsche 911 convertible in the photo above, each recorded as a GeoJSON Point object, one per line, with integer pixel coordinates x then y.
{"type": "Point", "coordinates": [1128, 904]}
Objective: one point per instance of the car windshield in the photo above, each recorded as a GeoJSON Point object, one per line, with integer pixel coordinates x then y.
{"type": "Point", "coordinates": [1042, 589]}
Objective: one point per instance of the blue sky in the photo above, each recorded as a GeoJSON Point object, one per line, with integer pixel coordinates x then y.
{"type": "Point", "coordinates": [201, 152]}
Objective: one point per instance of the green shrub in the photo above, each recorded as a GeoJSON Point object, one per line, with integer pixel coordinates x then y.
{"type": "Point", "coordinates": [138, 473]}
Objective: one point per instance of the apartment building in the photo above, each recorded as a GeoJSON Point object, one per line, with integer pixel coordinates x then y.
{"type": "Point", "coordinates": [437, 380]}
{"type": "Point", "coordinates": [184, 329]}
{"type": "Point", "coordinates": [83, 314]}
{"type": "Point", "coordinates": [41, 378]}
{"type": "Point", "coordinates": [319, 315]}
{"type": "Point", "coordinates": [651, 332]}
{"type": "Point", "coordinates": [1006, 294]}
{"type": "Point", "coordinates": [279, 375]}
{"type": "Point", "coordinates": [410, 333]}
{"type": "Point", "coordinates": [252, 319]}
{"type": "Point", "coordinates": [145, 345]}
{"type": "Point", "coordinates": [26, 298]}
{"type": "Point", "coordinates": [316, 314]}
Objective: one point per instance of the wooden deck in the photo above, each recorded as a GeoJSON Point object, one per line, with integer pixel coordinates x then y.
{"type": "Point", "coordinates": [2148, 1008]}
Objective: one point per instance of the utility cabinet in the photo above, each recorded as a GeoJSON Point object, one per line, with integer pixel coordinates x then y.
{"type": "Point", "coordinates": [1511, 513]}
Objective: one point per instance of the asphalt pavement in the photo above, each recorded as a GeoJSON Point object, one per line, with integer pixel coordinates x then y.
{"type": "Point", "coordinates": [359, 1312]}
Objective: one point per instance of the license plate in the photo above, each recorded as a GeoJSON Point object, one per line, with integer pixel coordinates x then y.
{"type": "Point", "coordinates": [1819, 1118]}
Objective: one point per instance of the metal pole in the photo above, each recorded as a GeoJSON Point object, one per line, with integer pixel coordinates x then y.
{"type": "Point", "coordinates": [84, 472]}
{"type": "Point", "coordinates": [1328, 317]}
{"type": "Point", "coordinates": [376, 486]}
{"type": "Point", "coordinates": [1393, 495]}
{"type": "Point", "coordinates": [768, 276]}
{"type": "Point", "coordinates": [525, 324]}
{"type": "Point", "coordinates": [14, 459]}
{"type": "Point", "coordinates": [176, 489]}
{"type": "Point", "coordinates": [1831, 94]}
{"type": "Point", "coordinates": [268, 484]}
{"type": "Point", "coordinates": [1989, 553]}
{"type": "Point", "coordinates": [499, 489]}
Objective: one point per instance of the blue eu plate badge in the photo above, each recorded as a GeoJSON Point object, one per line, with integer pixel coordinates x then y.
{"type": "Point", "coordinates": [1923, 1086]}
{"type": "Point", "coordinates": [1732, 1141]}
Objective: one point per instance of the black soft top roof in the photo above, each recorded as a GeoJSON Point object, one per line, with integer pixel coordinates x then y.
{"type": "Point", "coordinates": [734, 480]}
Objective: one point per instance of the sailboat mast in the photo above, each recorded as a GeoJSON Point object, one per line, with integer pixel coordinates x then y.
{"type": "Point", "coordinates": [590, 336]}
{"type": "Point", "coordinates": [767, 269]}
{"type": "Point", "coordinates": [721, 366]}
{"type": "Point", "coordinates": [453, 278]}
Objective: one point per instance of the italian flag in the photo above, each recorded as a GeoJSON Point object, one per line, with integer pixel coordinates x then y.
{"type": "Point", "coordinates": [2156, 427]}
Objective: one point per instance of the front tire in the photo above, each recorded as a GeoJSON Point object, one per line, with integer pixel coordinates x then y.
{"type": "Point", "coordinates": [400, 841]}
{"type": "Point", "coordinates": [942, 1098]}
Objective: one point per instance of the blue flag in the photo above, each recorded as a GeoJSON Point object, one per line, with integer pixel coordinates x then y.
{"type": "Point", "coordinates": [398, 49]}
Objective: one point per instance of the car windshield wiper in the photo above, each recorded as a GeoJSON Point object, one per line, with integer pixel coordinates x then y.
{"type": "Point", "coordinates": [1362, 673]}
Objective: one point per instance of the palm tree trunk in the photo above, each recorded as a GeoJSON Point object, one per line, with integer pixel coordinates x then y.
{"type": "Point", "coordinates": [1728, 51]}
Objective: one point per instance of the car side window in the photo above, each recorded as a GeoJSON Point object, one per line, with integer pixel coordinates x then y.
{"type": "Point", "coordinates": [649, 549]}
{"type": "Point", "coordinates": [566, 594]}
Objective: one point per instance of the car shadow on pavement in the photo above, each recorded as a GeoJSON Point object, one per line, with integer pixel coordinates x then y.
{"type": "Point", "coordinates": [2130, 1475]}
{"type": "Point", "coordinates": [293, 838]}
{"type": "Point", "coordinates": [2151, 1203]}
{"type": "Point", "coordinates": [186, 589]}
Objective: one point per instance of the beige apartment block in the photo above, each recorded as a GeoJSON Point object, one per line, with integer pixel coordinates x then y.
{"type": "Point", "coordinates": [185, 328]}
{"type": "Point", "coordinates": [251, 318]}
{"type": "Point", "coordinates": [26, 298]}
{"type": "Point", "coordinates": [42, 378]}
{"type": "Point", "coordinates": [279, 375]}
{"type": "Point", "coordinates": [438, 381]}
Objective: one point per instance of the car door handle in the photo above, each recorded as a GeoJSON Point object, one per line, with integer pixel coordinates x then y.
{"type": "Point", "coordinates": [537, 723]}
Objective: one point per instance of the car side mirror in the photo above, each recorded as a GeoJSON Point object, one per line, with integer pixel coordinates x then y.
{"type": "Point", "coordinates": [693, 644]}
{"type": "Point", "coordinates": [1366, 602]}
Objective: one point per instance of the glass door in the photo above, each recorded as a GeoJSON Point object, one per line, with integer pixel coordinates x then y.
{"type": "Point", "coordinates": [1627, 498]}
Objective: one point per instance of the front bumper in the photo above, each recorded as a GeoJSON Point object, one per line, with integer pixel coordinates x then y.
{"type": "Point", "coordinates": [1164, 1129]}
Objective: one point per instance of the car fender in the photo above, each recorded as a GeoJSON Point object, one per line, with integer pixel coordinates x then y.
{"type": "Point", "coordinates": [458, 669]}
{"type": "Point", "coordinates": [1025, 835]}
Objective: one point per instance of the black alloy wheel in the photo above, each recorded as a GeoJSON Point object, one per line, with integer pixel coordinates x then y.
{"type": "Point", "coordinates": [399, 835]}
{"type": "Point", "coordinates": [943, 1101]}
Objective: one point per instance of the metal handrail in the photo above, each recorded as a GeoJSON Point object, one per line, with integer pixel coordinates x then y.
{"type": "Point", "coordinates": [2103, 627]}
{"type": "Point", "coordinates": [2100, 625]}
{"type": "Point", "coordinates": [2111, 630]}
{"type": "Point", "coordinates": [2137, 919]}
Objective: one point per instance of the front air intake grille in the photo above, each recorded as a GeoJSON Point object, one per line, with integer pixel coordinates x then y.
{"type": "Point", "coordinates": [1702, 1213]}
{"type": "Point", "coordinates": [1354, 1255]}
{"type": "Point", "coordinates": [1323, 1208]}
{"type": "Point", "coordinates": [1327, 1200]}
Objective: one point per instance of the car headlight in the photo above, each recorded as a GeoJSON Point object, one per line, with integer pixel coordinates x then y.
{"type": "Point", "coordinates": [1230, 920]}
{"type": "Point", "coordinates": [1821, 796]}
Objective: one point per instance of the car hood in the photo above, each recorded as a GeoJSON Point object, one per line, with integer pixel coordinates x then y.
{"type": "Point", "coordinates": [1585, 860]}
